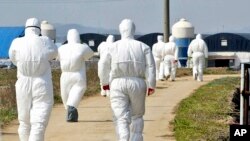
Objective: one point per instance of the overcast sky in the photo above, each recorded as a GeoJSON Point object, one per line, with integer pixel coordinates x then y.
{"type": "Point", "coordinates": [208, 16]}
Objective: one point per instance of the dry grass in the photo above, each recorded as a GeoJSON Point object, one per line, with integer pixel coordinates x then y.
{"type": "Point", "coordinates": [7, 97]}
{"type": "Point", "coordinates": [8, 110]}
{"type": "Point", "coordinates": [7, 88]}
{"type": "Point", "coordinates": [93, 82]}
{"type": "Point", "coordinates": [56, 73]}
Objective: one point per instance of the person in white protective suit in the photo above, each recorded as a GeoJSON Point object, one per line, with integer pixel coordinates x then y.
{"type": "Point", "coordinates": [170, 54]}
{"type": "Point", "coordinates": [102, 49]}
{"type": "Point", "coordinates": [132, 68]}
{"type": "Point", "coordinates": [73, 83]}
{"type": "Point", "coordinates": [198, 51]}
{"type": "Point", "coordinates": [104, 46]}
{"type": "Point", "coordinates": [157, 51]}
{"type": "Point", "coordinates": [34, 90]}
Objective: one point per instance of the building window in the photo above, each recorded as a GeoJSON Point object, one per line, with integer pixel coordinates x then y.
{"type": "Point", "coordinates": [223, 43]}
{"type": "Point", "coordinates": [91, 43]}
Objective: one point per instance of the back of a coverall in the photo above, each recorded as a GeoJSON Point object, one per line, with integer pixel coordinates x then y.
{"type": "Point", "coordinates": [34, 91]}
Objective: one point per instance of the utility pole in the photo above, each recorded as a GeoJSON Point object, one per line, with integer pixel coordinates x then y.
{"type": "Point", "coordinates": [166, 20]}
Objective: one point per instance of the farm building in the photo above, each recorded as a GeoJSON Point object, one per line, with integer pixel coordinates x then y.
{"type": "Point", "coordinates": [92, 39]}
{"type": "Point", "coordinates": [224, 49]}
{"type": "Point", "coordinates": [227, 50]}
{"type": "Point", "coordinates": [7, 35]}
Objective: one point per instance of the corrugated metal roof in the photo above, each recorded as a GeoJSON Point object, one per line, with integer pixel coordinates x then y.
{"type": "Point", "coordinates": [7, 35]}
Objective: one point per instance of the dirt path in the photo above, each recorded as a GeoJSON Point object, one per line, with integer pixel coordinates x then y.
{"type": "Point", "coordinates": [95, 118]}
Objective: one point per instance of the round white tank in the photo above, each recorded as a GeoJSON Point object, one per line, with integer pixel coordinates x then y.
{"type": "Point", "coordinates": [48, 30]}
{"type": "Point", "coordinates": [183, 29]}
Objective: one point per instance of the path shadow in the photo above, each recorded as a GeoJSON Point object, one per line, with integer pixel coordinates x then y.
{"type": "Point", "coordinates": [164, 136]}
{"type": "Point", "coordinates": [95, 121]}
{"type": "Point", "coordinates": [148, 120]}
{"type": "Point", "coordinates": [11, 134]}
{"type": "Point", "coordinates": [103, 120]}
{"type": "Point", "coordinates": [161, 87]}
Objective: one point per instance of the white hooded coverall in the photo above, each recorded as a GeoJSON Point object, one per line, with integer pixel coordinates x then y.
{"type": "Point", "coordinates": [102, 49]}
{"type": "Point", "coordinates": [170, 54]}
{"type": "Point", "coordinates": [157, 51]}
{"type": "Point", "coordinates": [104, 46]}
{"type": "Point", "coordinates": [198, 51]}
{"type": "Point", "coordinates": [34, 91]}
{"type": "Point", "coordinates": [72, 58]}
{"type": "Point", "coordinates": [130, 63]}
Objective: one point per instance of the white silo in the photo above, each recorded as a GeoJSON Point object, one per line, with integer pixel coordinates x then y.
{"type": "Point", "coordinates": [48, 30]}
{"type": "Point", "coordinates": [183, 31]}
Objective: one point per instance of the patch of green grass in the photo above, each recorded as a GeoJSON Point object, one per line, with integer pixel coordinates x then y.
{"type": "Point", "coordinates": [219, 70]}
{"type": "Point", "coordinates": [205, 114]}
{"type": "Point", "coordinates": [7, 115]}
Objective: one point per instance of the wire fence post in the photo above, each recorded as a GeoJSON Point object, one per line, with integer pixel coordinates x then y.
{"type": "Point", "coordinates": [244, 97]}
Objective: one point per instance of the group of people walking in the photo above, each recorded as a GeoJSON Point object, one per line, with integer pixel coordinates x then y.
{"type": "Point", "coordinates": [166, 57]}
{"type": "Point", "coordinates": [127, 69]}
{"type": "Point", "coordinates": [34, 91]}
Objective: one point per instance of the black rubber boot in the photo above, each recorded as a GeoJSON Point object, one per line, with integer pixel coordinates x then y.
{"type": "Point", "coordinates": [72, 115]}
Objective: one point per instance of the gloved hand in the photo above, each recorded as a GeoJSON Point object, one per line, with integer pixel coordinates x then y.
{"type": "Point", "coordinates": [105, 91]}
{"type": "Point", "coordinates": [106, 87]}
{"type": "Point", "coordinates": [150, 91]}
